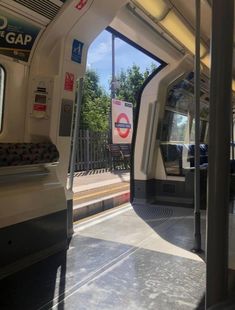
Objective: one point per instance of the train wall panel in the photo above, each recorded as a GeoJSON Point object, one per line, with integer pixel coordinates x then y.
{"type": "Point", "coordinates": [174, 193]}
{"type": "Point", "coordinates": [25, 243]}
{"type": "Point", "coordinates": [29, 192]}
{"type": "Point", "coordinates": [164, 192]}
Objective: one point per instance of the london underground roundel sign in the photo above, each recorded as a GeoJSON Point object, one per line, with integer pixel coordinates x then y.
{"type": "Point", "coordinates": [122, 121]}
{"type": "Point", "coordinates": [123, 125]}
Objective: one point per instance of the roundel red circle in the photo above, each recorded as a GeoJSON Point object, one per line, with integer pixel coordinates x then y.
{"type": "Point", "coordinates": [123, 134]}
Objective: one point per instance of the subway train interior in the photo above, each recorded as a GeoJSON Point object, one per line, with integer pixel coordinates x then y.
{"type": "Point", "coordinates": [172, 246]}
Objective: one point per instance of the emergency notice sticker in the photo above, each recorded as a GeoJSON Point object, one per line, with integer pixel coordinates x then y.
{"type": "Point", "coordinates": [69, 81]}
{"type": "Point", "coordinates": [17, 36]}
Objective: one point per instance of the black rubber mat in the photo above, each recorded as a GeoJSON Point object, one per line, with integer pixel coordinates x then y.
{"type": "Point", "coordinates": [153, 215]}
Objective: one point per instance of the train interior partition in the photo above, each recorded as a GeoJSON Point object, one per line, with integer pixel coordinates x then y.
{"type": "Point", "coordinates": [164, 174]}
{"type": "Point", "coordinates": [172, 158]}
{"type": "Point", "coordinates": [42, 56]}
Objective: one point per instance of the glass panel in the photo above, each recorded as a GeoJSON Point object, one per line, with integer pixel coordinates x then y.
{"type": "Point", "coordinates": [203, 125]}
{"type": "Point", "coordinates": [172, 157]}
{"type": "Point", "coordinates": [174, 127]}
{"type": "Point", "coordinates": [178, 128]}
{"type": "Point", "coordinates": [180, 96]}
{"type": "Point", "coordinates": [173, 132]}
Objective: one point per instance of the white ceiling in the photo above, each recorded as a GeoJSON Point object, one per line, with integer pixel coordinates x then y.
{"type": "Point", "coordinates": [186, 8]}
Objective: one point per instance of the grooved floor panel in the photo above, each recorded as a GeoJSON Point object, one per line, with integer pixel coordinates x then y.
{"type": "Point", "coordinates": [132, 258]}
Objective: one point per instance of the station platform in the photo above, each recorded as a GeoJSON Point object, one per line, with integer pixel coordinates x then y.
{"type": "Point", "coordinates": [84, 181]}
{"type": "Point", "coordinates": [131, 257]}
{"type": "Point", "coordinates": [99, 190]}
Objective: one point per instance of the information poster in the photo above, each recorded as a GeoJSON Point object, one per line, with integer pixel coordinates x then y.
{"type": "Point", "coordinates": [122, 121]}
{"type": "Point", "coordinates": [17, 36]}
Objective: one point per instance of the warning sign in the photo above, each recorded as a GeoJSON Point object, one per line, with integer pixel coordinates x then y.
{"type": "Point", "coordinates": [122, 121]}
{"type": "Point", "coordinates": [69, 81]}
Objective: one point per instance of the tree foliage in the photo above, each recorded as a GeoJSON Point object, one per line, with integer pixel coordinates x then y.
{"type": "Point", "coordinates": [131, 82]}
{"type": "Point", "coordinates": [95, 104]}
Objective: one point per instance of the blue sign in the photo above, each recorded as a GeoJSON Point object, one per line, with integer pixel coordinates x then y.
{"type": "Point", "coordinates": [17, 36]}
{"type": "Point", "coordinates": [77, 51]}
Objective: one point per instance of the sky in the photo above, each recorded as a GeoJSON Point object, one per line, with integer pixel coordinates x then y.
{"type": "Point", "coordinates": [100, 57]}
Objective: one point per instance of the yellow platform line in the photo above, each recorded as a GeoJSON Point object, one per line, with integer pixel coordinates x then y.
{"type": "Point", "coordinates": [99, 193]}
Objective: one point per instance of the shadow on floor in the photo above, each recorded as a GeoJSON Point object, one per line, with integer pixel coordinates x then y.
{"type": "Point", "coordinates": [118, 172]}
{"type": "Point", "coordinates": [34, 286]}
{"type": "Point", "coordinates": [180, 235]}
{"type": "Point", "coordinates": [201, 305]}
{"type": "Point", "coordinates": [91, 172]}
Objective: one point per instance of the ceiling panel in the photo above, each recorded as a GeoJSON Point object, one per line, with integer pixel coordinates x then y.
{"type": "Point", "coordinates": [187, 12]}
{"type": "Point", "coordinates": [46, 8]}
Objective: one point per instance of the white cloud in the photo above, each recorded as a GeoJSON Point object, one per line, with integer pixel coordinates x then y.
{"type": "Point", "coordinates": [99, 52]}
{"type": "Point", "coordinates": [102, 50]}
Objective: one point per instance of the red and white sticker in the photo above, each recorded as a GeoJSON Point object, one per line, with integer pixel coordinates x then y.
{"type": "Point", "coordinates": [69, 81]}
{"type": "Point", "coordinates": [81, 4]}
{"type": "Point", "coordinates": [39, 107]}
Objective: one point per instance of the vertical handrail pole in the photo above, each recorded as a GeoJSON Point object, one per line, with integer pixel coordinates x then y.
{"type": "Point", "coordinates": [87, 150]}
{"type": "Point", "coordinates": [113, 68]}
{"type": "Point", "coordinates": [112, 87]}
{"type": "Point", "coordinates": [232, 135]}
{"type": "Point", "coordinates": [197, 214]}
{"type": "Point", "coordinates": [112, 97]}
{"type": "Point", "coordinates": [73, 159]}
{"type": "Point", "coordinates": [75, 134]}
{"type": "Point", "coordinates": [219, 152]}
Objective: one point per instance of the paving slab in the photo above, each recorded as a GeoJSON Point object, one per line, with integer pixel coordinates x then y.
{"type": "Point", "coordinates": [95, 179]}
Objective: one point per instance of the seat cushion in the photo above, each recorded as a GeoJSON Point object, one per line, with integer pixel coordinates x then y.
{"type": "Point", "coordinates": [17, 154]}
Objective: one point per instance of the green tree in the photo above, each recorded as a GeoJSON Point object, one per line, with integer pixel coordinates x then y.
{"type": "Point", "coordinates": [131, 82]}
{"type": "Point", "coordinates": [95, 104]}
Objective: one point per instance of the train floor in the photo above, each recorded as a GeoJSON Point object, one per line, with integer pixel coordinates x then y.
{"type": "Point", "coordinates": [130, 257]}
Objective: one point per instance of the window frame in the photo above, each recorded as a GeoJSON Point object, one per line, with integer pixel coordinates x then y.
{"type": "Point", "coordinates": [177, 110]}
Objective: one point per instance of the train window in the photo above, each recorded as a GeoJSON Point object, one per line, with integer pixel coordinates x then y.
{"type": "Point", "coordinates": [179, 100]}
{"type": "Point", "coordinates": [178, 127]}
{"type": "Point", "coordinates": [174, 127]}
{"type": "Point", "coordinates": [203, 127]}
{"type": "Point", "coordinates": [172, 139]}
{"type": "Point", "coordinates": [2, 86]}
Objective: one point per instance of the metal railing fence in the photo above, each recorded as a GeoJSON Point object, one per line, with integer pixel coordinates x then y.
{"type": "Point", "coordinates": [92, 152]}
